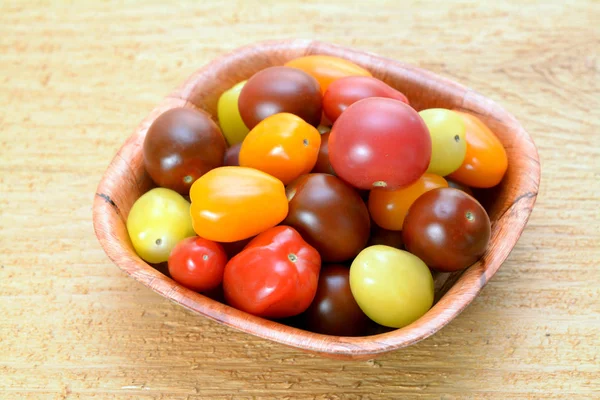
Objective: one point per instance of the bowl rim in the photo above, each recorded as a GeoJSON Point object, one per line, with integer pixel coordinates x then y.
{"type": "Point", "coordinates": [513, 221]}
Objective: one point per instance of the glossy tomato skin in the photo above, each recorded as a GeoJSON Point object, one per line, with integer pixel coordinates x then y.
{"type": "Point", "coordinates": [388, 208]}
{"type": "Point", "coordinates": [379, 142]}
{"type": "Point", "coordinates": [181, 145]}
{"type": "Point", "coordinates": [329, 214]}
{"type": "Point", "coordinates": [334, 310]}
{"type": "Point", "coordinates": [275, 276]}
{"type": "Point", "coordinates": [327, 69]}
{"type": "Point", "coordinates": [347, 91]}
{"type": "Point", "coordinates": [323, 164]}
{"type": "Point", "coordinates": [231, 122]}
{"type": "Point", "coordinates": [448, 140]}
{"type": "Point", "coordinates": [235, 203]}
{"type": "Point", "coordinates": [232, 155]}
{"type": "Point", "coordinates": [282, 145]}
{"type": "Point", "coordinates": [446, 228]}
{"type": "Point", "coordinates": [485, 162]}
{"type": "Point", "coordinates": [198, 264]}
{"type": "Point", "coordinates": [280, 90]}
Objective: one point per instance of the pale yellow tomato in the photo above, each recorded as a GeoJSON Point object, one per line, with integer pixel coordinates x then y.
{"type": "Point", "coordinates": [231, 122]}
{"type": "Point", "coordinates": [392, 287]}
{"type": "Point", "coordinates": [159, 220]}
{"type": "Point", "coordinates": [448, 140]}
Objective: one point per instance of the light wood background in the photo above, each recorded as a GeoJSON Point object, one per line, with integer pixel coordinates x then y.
{"type": "Point", "coordinates": [77, 77]}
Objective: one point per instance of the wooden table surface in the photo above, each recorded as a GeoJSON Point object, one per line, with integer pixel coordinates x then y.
{"type": "Point", "coordinates": [75, 79]}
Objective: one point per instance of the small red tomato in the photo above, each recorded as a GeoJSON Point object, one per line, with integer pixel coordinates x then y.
{"type": "Point", "coordinates": [347, 91]}
{"type": "Point", "coordinates": [323, 165]}
{"type": "Point", "coordinates": [197, 263]}
{"type": "Point", "coordinates": [379, 142]}
{"type": "Point", "coordinates": [275, 276]}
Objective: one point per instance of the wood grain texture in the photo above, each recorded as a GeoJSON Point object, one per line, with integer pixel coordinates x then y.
{"type": "Point", "coordinates": [78, 77]}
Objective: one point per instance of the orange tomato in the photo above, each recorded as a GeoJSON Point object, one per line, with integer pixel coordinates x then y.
{"type": "Point", "coordinates": [485, 161]}
{"type": "Point", "coordinates": [326, 69]}
{"type": "Point", "coordinates": [283, 145]}
{"type": "Point", "coordinates": [235, 203]}
{"type": "Point", "coordinates": [388, 208]}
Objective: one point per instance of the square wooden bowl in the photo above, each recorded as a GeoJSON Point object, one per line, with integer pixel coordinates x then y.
{"type": "Point", "coordinates": [509, 205]}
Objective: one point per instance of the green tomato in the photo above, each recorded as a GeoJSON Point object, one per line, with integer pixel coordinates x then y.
{"type": "Point", "coordinates": [159, 220]}
{"type": "Point", "coordinates": [448, 140]}
{"type": "Point", "coordinates": [392, 287]}
{"type": "Point", "coordinates": [231, 122]}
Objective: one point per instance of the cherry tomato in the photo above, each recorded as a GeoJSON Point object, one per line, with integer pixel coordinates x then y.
{"type": "Point", "coordinates": [485, 161]}
{"type": "Point", "coordinates": [232, 155]}
{"type": "Point", "coordinates": [235, 203]}
{"type": "Point", "coordinates": [448, 140]}
{"type": "Point", "coordinates": [329, 214]}
{"type": "Point", "coordinates": [347, 91]}
{"type": "Point", "coordinates": [327, 69]}
{"type": "Point", "coordinates": [385, 237]}
{"type": "Point", "coordinates": [181, 145]}
{"type": "Point", "coordinates": [157, 221]}
{"type": "Point", "coordinates": [198, 264]}
{"type": "Point", "coordinates": [275, 276]}
{"type": "Point", "coordinates": [280, 90]}
{"type": "Point", "coordinates": [334, 310]}
{"type": "Point", "coordinates": [282, 145]}
{"type": "Point", "coordinates": [231, 122]}
{"type": "Point", "coordinates": [388, 208]}
{"type": "Point", "coordinates": [448, 229]}
{"type": "Point", "coordinates": [379, 142]}
{"type": "Point", "coordinates": [323, 165]}
{"type": "Point", "coordinates": [393, 287]}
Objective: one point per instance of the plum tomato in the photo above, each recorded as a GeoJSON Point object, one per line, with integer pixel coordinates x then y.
{"type": "Point", "coordinates": [280, 90]}
{"type": "Point", "coordinates": [323, 165]}
{"type": "Point", "coordinates": [388, 208]}
{"type": "Point", "coordinates": [282, 145]}
{"type": "Point", "coordinates": [232, 155]}
{"type": "Point", "coordinates": [228, 113]}
{"type": "Point", "coordinates": [275, 276]}
{"type": "Point", "coordinates": [198, 264]}
{"type": "Point", "coordinates": [327, 69]}
{"type": "Point", "coordinates": [329, 214]}
{"type": "Point", "coordinates": [181, 145]}
{"type": "Point", "coordinates": [235, 203]}
{"type": "Point", "coordinates": [485, 161]}
{"type": "Point", "coordinates": [347, 91]}
{"type": "Point", "coordinates": [157, 221]}
{"type": "Point", "coordinates": [446, 228]}
{"type": "Point", "coordinates": [379, 142]}
{"type": "Point", "coordinates": [448, 142]}
{"type": "Point", "coordinates": [393, 287]}
{"type": "Point", "coordinates": [334, 310]}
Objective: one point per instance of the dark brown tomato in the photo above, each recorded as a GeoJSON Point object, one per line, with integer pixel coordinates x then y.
{"type": "Point", "coordinates": [329, 214]}
{"type": "Point", "coordinates": [323, 165]}
{"type": "Point", "coordinates": [385, 237]}
{"type": "Point", "coordinates": [280, 89]}
{"type": "Point", "coordinates": [459, 186]}
{"type": "Point", "coordinates": [232, 155]}
{"type": "Point", "coordinates": [447, 229]}
{"type": "Point", "coordinates": [181, 145]}
{"type": "Point", "coordinates": [334, 310]}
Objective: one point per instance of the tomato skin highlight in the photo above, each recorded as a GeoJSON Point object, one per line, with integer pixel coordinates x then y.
{"type": "Point", "coordinates": [197, 264]}
{"type": "Point", "coordinates": [275, 276]}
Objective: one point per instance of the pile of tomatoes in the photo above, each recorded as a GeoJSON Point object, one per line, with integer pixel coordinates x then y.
{"type": "Point", "coordinates": [321, 194]}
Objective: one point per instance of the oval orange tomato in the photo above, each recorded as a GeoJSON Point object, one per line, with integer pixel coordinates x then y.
{"type": "Point", "coordinates": [388, 208]}
{"type": "Point", "coordinates": [235, 203]}
{"type": "Point", "coordinates": [326, 69]}
{"type": "Point", "coordinates": [283, 145]}
{"type": "Point", "coordinates": [485, 162]}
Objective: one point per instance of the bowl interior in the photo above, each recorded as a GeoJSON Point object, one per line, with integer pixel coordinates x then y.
{"type": "Point", "coordinates": [509, 204]}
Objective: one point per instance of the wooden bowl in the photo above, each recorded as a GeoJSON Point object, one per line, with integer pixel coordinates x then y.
{"type": "Point", "coordinates": [509, 205]}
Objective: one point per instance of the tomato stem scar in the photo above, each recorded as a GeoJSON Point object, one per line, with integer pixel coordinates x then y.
{"type": "Point", "coordinates": [158, 241]}
{"type": "Point", "coordinates": [469, 216]}
{"type": "Point", "coordinates": [187, 179]}
{"type": "Point", "coordinates": [205, 257]}
{"type": "Point", "coordinates": [292, 257]}
{"type": "Point", "coordinates": [305, 141]}
{"type": "Point", "coordinates": [380, 184]}
{"type": "Point", "coordinates": [457, 138]}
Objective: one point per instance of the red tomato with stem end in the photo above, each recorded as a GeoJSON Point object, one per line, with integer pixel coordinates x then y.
{"type": "Point", "coordinates": [197, 263]}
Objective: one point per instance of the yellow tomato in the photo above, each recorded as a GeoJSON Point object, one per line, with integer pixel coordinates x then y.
{"type": "Point", "coordinates": [448, 141]}
{"type": "Point", "coordinates": [388, 208]}
{"type": "Point", "coordinates": [283, 145]}
{"type": "Point", "coordinates": [231, 122]}
{"type": "Point", "coordinates": [158, 220]}
{"type": "Point", "coordinates": [235, 203]}
{"type": "Point", "coordinates": [326, 69]}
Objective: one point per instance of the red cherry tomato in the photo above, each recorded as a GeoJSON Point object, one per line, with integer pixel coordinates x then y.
{"type": "Point", "coordinates": [275, 276]}
{"type": "Point", "coordinates": [197, 263]}
{"type": "Point", "coordinates": [379, 142]}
